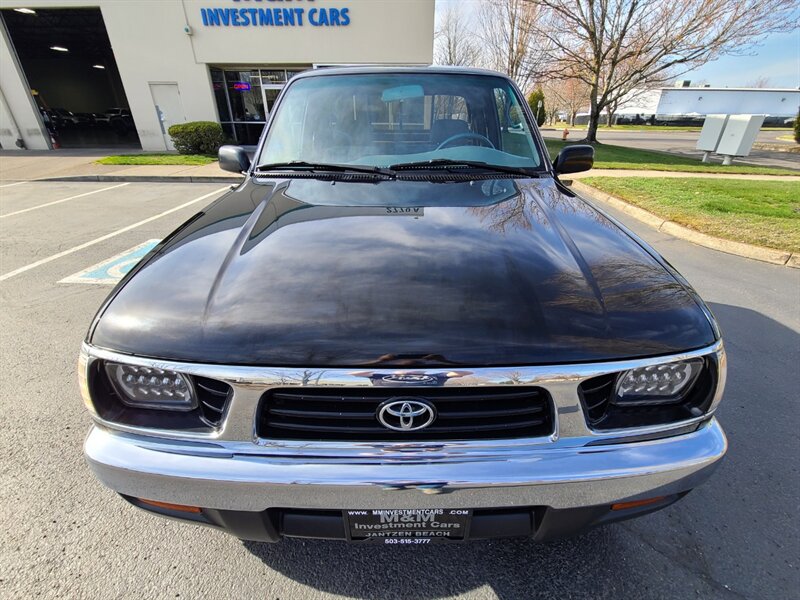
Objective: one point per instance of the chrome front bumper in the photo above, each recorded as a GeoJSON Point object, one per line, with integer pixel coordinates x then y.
{"type": "Point", "coordinates": [222, 475]}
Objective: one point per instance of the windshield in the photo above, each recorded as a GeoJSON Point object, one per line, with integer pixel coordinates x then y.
{"type": "Point", "coordinates": [386, 119]}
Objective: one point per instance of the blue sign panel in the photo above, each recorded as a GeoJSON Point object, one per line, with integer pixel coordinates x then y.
{"type": "Point", "coordinates": [112, 270]}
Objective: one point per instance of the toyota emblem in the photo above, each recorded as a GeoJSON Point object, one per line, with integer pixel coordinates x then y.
{"type": "Point", "coordinates": [406, 414]}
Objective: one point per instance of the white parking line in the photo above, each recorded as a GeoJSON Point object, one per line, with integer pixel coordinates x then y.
{"type": "Point", "coordinates": [13, 184]}
{"type": "Point", "coordinates": [103, 238]}
{"type": "Point", "coordinates": [24, 210]}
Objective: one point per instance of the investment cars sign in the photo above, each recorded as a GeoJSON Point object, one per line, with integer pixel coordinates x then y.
{"type": "Point", "coordinates": [276, 13]}
{"type": "Point", "coordinates": [309, 32]}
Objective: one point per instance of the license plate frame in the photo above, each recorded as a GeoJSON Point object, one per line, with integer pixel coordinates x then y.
{"type": "Point", "coordinates": [414, 526]}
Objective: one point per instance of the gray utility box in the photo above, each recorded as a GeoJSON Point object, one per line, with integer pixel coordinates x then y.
{"type": "Point", "coordinates": [740, 134]}
{"type": "Point", "coordinates": [713, 126]}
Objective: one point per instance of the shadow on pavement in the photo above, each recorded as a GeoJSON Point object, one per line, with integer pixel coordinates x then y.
{"type": "Point", "coordinates": [714, 544]}
{"type": "Point", "coordinates": [511, 568]}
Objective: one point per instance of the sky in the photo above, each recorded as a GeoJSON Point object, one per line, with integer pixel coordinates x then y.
{"type": "Point", "coordinates": [777, 59]}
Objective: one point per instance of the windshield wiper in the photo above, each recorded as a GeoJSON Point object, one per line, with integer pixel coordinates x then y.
{"type": "Point", "coordinates": [301, 165]}
{"type": "Point", "coordinates": [454, 163]}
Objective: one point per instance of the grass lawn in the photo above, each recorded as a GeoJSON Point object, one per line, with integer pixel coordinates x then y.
{"type": "Point", "coordinates": [608, 156]}
{"type": "Point", "coordinates": [561, 125]}
{"type": "Point", "coordinates": [764, 213]}
{"type": "Point", "coordinates": [158, 159]}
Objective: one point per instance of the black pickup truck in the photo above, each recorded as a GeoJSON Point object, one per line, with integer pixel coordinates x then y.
{"type": "Point", "coordinates": [402, 328]}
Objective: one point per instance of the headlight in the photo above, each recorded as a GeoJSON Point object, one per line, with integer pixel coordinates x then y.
{"type": "Point", "coordinates": [148, 387]}
{"type": "Point", "coordinates": [657, 384]}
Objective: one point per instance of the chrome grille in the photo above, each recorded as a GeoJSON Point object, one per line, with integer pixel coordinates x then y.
{"type": "Point", "coordinates": [349, 414]}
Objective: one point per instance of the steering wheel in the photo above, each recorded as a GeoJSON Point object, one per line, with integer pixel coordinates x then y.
{"type": "Point", "coordinates": [342, 135]}
{"type": "Point", "coordinates": [467, 135]}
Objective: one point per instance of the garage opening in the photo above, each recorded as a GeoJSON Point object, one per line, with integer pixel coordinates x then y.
{"type": "Point", "coordinates": [67, 59]}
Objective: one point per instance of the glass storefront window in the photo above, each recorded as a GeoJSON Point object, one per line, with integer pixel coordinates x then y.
{"type": "Point", "coordinates": [273, 76]}
{"type": "Point", "coordinates": [227, 129]}
{"type": "Point", "coordinates": [220, 95]}
{"type": "Point", "coordinates": [245, 97]}
{"type": "Point", "coordinates": [244, 92]}
{"type": "Point", "coordinates": [248, 134]}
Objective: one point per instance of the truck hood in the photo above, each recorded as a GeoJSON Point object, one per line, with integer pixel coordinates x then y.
{"type": "Point", "coordinates": [483, 273]}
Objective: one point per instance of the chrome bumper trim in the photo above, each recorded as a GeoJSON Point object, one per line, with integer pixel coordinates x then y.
{"type": "Point", "coordinates": [215, 475]}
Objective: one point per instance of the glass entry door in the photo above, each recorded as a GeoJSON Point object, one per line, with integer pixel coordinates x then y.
{"type": "Point", "coordinates": [270, 93]}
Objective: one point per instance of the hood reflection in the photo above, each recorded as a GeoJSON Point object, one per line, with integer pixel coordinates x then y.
{"type": "Point", "coordinates": [494, 273]}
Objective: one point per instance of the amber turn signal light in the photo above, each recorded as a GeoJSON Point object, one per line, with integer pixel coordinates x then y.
{"type": "Point", "coordinates": [636, 503]}
{"type": "Point", "coordinates": [170, 506]}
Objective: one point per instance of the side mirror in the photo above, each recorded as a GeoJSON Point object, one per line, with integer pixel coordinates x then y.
{"type": "Point", "coordinates": [574, 159]}
{"type": "Point", "coordinates": [234, 159]}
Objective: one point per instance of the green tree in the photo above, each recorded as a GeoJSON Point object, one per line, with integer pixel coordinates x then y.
{"type": "Point", "coordinates": [534, 98]}
{"type": "Point", "coordinates": [797, 128]}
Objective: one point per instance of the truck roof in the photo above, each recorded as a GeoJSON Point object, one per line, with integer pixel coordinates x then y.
{"type": "Point", "coordinates": [375, 69]}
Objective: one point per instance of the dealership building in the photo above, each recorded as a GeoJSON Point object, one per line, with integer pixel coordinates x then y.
{"type": "Point", "coordinates": [119, 73]}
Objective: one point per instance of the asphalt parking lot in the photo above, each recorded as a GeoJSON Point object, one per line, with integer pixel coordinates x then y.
{"type": "Point", "coordinates": [65, 536]}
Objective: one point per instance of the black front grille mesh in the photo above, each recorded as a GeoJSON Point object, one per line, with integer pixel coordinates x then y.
{"type": "Point", "coordinates": [349, 414]}
{"type": "Point", "coordinates": [596, 395]}
{"type": "Point", "coordinates": [213, 398]}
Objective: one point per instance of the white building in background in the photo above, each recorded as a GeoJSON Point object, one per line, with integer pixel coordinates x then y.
{"type": "Point", "coordinates": [104, 73]}
{"type": "Point", "coordinates": [674, 103]}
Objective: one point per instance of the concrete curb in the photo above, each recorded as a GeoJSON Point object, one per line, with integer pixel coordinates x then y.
{"type": "Point", "coordinates": [775, 257]}
{"type": "Point", "coordinates": [144, 178]}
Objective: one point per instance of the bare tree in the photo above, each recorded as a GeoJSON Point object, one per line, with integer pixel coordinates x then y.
{"type": "Point", "coordinates": [635, 93]}
{"type": "Point", "coordinates": [508, 32]}
{"type": "Point", "coordinates": [566, 94]}
{"type": "Point", "coordinates": [455, 42]}
{"type": "Point", "coordinates": [616, 46]}
{"type": "Point", "coordinates": [759, 82]}
{"type": "Point", "coordinates": [610, 110]}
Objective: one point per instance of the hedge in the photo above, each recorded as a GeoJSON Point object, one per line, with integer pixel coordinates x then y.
{"type": "Point", "coordinates": [197, 137]}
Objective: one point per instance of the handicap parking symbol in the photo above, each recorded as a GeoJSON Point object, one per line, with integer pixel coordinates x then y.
{"type": "Point", "coordinates": [112, 270]}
